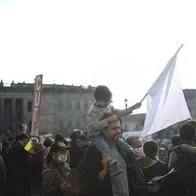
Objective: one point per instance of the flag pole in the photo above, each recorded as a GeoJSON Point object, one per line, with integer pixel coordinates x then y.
{"type": "Point", "coordinates": [149, 89]}
{"type": "Point", "coordinates": [143, 97]}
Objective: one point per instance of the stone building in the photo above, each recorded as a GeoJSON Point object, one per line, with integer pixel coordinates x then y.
{"type": "Point", "coordinates": [133, 122]}
{"type": "Point", "coordinates": [190, 96]}
{"type": "Point", "coordinates": [63, 107]}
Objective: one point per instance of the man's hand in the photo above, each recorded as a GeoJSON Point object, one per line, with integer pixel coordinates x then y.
{"type": "Point", "coordinates": [112, 118]}
{"type": "Point", "coordinates": [106, 161]}
{"type": "Point", "coordinates": [103, 173]}
{"type": "Point", "coordinates": [65, 185]}
{"type": "Point", "coordinates": [154, 188]}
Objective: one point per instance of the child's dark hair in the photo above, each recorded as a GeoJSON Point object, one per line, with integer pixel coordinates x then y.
{"type": "Point", "coordinates": [102, 93]}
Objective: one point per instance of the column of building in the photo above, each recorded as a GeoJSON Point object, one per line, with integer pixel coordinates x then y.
{"type": "Point", "coordinates": [13, 113]}
{"type": "Point", "coordinates": [25, 112]}
{"type": "Point", "coordinates": [1, 115]}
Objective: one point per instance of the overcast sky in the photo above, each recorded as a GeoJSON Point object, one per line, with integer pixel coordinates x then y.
{"type": "Point", "coordinates": [122, 44]}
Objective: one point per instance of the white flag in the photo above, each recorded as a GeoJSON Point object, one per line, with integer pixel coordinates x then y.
{"type": "Point", "coordinates": [166, 103]}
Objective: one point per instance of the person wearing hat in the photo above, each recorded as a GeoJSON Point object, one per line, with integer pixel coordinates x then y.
{"type": "Point", "coordinates": [54, 176]}
{"type": "Point", "coordinates": [60, 138]}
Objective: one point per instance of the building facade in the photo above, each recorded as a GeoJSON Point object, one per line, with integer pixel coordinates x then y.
{"type": "Point", "coordinates": [190, 96]}
{"type": "Point", "coordinates": [133, 122]}
{"type": "Point", "coordinates": [63, 107]}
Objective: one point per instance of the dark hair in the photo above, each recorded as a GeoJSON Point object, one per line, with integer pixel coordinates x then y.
{"type": "Point", "coordinates": [187, 132]}
{"type": "Point", "coordinates": [59, 138]}
{"type": "Point", "coordinates": [176, 140]}
{"type": "Point", "coordinates": [76, 133]}
{"type": "Point", "coordinates": [150, 149]}
{"type": "Point", "coordinates": [23, 136]}
{"type": "Point", "coordinates": [102, 93]}
{"type": "Point", "coordinates": [47, 142]}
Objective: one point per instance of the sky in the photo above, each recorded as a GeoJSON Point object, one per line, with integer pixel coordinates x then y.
{"type": "Point", "coordinates": [123, 44]}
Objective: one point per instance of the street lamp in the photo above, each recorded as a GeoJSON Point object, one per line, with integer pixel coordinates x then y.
{"type": "Point", "coordinates": [125, 103]}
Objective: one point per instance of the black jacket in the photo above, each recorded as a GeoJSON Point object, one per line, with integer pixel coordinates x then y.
{"type": "Point", "coordinates": [90, 167]}
{"type": "Point", "coordinates": [17, 171]}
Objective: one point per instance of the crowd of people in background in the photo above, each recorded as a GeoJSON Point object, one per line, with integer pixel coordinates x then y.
{"type": "Point", "coordinates": [59, 167]}
{"type": "Point", "coordinates": [99, 161]}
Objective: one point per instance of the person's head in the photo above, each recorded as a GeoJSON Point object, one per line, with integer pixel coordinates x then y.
{"type": "Point", "coordinates": [47, 142]}
{"type": "Point", "coordinates": [59, 138]}
{"type": "Point", "coordinates": [58, 152]}
{"type": "Point", "coordinates": [102, 95]}
{"type": "Point", "coordinates": [23, 128]}
{"type": "Point", "coordinates": [112, 131]}
{"type": "Point", "coordinates": [187, 132]}
{"type": "Point", "coordinates": [176, 140]}
{"type": "Point", "coordinates": [38, 147]}
{"type": "Point", "coordinates": [6, 146]}
{"type": "Point", "coordinates": [23, 138]}
{"type": "Point", "coordinates": [134, 141]}
{"type": "Point", "coordinates": [11, 140]}
{"type": "Point", "coordinates": [82, 141]}
{"type": "Point", "coordinates": [75, 134]}
{"type": "Point", "coordinates": [192, 123]}
{"type": "Point", "coordinates": [162, 154]}
{"type": "Point", "coordinates": [150, 149]}
{"type": "Point", "coordinates": [34, 141]}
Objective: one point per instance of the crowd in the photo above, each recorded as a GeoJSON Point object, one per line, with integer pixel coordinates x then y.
{"type": "Point", "coordinates": [99, 161]}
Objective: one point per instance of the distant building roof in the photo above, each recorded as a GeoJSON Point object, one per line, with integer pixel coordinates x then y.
{"type": "Point", "coordinates": [134, 117]}
{"type": "Point", "coordinates": [48, 88]}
